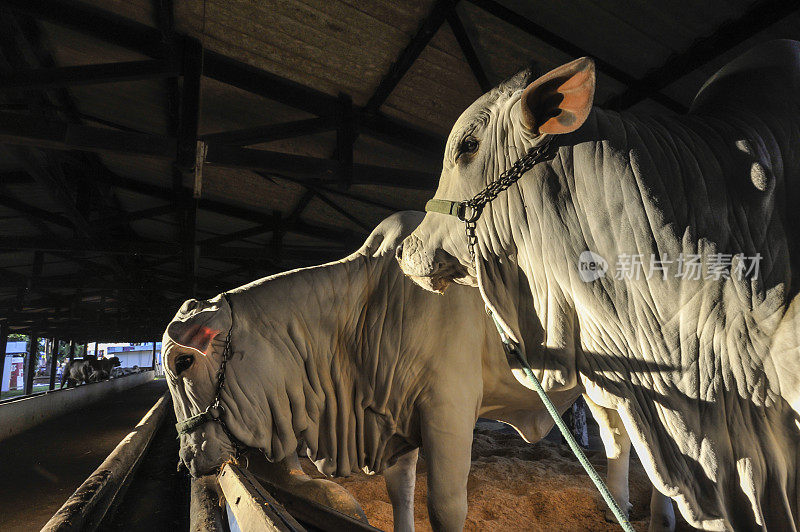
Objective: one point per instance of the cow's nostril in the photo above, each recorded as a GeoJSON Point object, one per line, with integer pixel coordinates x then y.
{"type": "Point", "coordinates": [398, 252]}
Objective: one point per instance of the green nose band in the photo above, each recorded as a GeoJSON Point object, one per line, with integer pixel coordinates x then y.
{"type": "Point", "coordinates": [443, 207]}
{"type": "Point", "coordinates": [463, 210]}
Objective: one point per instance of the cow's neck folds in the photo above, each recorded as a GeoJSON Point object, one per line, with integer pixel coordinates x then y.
{"type": "Point", "coordinates": [650, 171]}
{"type": "Point", "coordinates": [321, 368]}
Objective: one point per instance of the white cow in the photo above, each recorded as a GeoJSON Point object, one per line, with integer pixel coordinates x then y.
{"type": "Point", "coordinates": [657, 259]}
{"type": "Point", "coordinates": [363, 366]}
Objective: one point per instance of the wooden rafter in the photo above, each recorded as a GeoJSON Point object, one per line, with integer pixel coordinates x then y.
{"type": "Point", "coordinates": [28, 131]}
{"type": "Point", "coordinates": [757, 18]}
{"type": "Point", "coordinates": [467, 48]}
{"type": "Point", "coordinates": [148, 41]}
{"type": "Point", "coordinates": [427, 29]}
{"type": "Point", "coordinates": [272, 132]}
{"type": "Point", "coordinates": [50, 78]}
{"type": "Point", "coordinates": [556, 41]}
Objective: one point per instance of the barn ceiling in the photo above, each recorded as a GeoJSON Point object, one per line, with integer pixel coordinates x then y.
{"type": "Point", "coordinates": [316, 119]}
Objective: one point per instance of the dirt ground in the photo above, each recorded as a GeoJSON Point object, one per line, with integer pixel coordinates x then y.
{"type": "Point", "coordinates": [40, 468]}
{"type": "Point", "coordinates": [516, 486]}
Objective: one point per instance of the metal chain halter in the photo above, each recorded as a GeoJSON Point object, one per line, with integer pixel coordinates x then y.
{"type": "Point", "coordinates": [470, 211]}
{"type": "Point", "coordinates": [215, 410]}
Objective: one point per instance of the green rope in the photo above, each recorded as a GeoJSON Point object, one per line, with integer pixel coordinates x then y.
{"type": "Point", "coordinates": [573, 444]}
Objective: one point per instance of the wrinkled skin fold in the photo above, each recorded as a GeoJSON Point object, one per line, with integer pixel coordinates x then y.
{"type": "Point", "coordinates": [365, 367]}
{"type": "Point", "coordinates": [704, 373]}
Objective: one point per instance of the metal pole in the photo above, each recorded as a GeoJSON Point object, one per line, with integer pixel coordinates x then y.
{"type": "Point", "coordinates": [154, 355]}
{"type": "Point", "coordinates": [85, 349]}
{"type": "Point", "coordinates": [54, 363]}
{"type": "Point", "coordinates": [30, 367]}
{"type": "Point", "coordinates": [3, 343]}
{"type": "Point", "coordinates": [71, 350]}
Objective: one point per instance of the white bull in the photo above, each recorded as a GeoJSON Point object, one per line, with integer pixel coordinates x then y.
{"type": "Point", "coordinates": [363, 366]}
{"type": "Point", "coordinates": [657, 259]}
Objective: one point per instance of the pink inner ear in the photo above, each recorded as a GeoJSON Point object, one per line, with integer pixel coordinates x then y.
{"type": "Point", "coordinates": [199, 337]}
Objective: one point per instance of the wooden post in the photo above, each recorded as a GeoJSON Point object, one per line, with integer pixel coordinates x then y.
{"type": "Point", "coordinates": [3, 343]}
{"type": "Point", "coordinates": [71, 350]}
{"type": "Point", "coordinates": [345, 139]}
{"type": "Point", "coordinates": [85, 349]}
{"type": "Point", "coordinates": [30, 366]}
{"type": "Point", "coordinates": [154, 355]}
{"type": "Point", "coordinates": [187, 157]}
{"type": "Point", "coordinates": [54, 363]}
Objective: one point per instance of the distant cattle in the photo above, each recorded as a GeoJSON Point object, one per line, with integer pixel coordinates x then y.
{"type": "Point", "coordinates": [121, 372]}
{"type": "Point", "coordinates": [77, 371]}
{"type": "Point", "coordinates": [87, 369]}
{"type": "Point", "coordinates": [108, 364]}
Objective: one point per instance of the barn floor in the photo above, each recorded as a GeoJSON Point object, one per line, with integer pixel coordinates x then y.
{"type": "Point", "coordinates": [40, 468]}
{"type": "Point", "coordinates": [516, 486]}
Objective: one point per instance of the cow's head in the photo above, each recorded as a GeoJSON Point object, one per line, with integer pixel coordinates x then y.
{"type": "Point", "coordinates": [192, 352]}
{"type": "Point", "coordinates": [262, 400]}
{"type": "Point", "coordinates": [493, 133]}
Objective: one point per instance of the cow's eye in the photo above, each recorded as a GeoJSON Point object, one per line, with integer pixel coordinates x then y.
{"type": "Point", "coordinates": [183, 362]}
{"type": "Point", "coordinates": [468, 145]}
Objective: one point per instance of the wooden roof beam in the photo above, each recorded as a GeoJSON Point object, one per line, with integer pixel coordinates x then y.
{"type": "Point", "coordinates": [50, 78]}
{"type": "Point", "coordinates": [272, 132]}
{"type": "Point", "coordinates": [760, 16]}
{"type": "Point", "coordinates": [35, 212]}
{"type": "Point", "coordinates": [148, 41]}
{"type": "Point", "coordinates": [25, 130]}
{"type": "Point", "coordinates": [101, 224]}
{"type": "Point", "coordinates": [227, 209]}
{"type": "Point", "coordinates": [153, 248]}
{"type": "Point", "coordinates": [398, 69]}
{"type": "Point", "coordinates": [465, 43]}
{"type": "Point", "coordinates": [316, 168]}
{"type": "Point", "coordinates": [543, 34]}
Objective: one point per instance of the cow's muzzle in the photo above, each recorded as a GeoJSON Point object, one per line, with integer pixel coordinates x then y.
{"type": "Point", "coordinates": [433, 271]}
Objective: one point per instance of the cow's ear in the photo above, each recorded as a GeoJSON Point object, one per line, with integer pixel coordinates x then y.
{"type": "Point", "coordinates": [198, 337]}
{"type": "Point", "coordinates": [560, 101]}
{"type": "Point", "coordinates": [197, 323]}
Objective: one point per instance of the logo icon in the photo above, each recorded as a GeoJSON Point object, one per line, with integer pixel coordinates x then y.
{"type": "Point", "coordinates": [591, 266]}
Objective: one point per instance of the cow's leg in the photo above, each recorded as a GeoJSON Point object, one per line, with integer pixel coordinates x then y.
{"type": "Point", "coordinates": [662, 514]}
{"type": "Point", "coordinates": [618, 449]}
{"type": "Point", "coordinates": [447, 443]}
{"type": "Point", "coordinates": [400, 481]}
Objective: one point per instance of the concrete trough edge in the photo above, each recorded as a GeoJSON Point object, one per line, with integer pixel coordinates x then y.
{"type": "Point", "coordinates": [251, 505]}
{"type": "Point", "coordinates": [205, 512]}
{"type": "Point", "coordinates": [85, 509]}
{"type": "Point", "coordinates": [21, 414]}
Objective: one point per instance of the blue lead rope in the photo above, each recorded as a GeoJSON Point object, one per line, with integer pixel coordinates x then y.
{"type": "Point", "coordinates": [511, 349]}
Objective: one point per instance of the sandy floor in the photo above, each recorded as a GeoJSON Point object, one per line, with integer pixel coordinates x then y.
{"type": "Point", "coordinates": [515, 486]}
